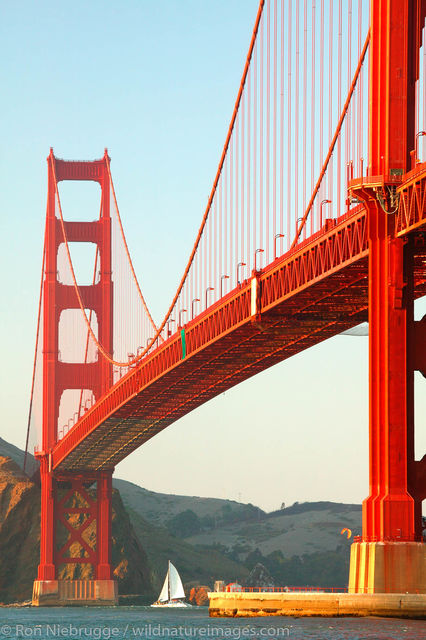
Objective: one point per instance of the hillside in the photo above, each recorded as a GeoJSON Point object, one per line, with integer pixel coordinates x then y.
{"type": "Point", "coordinates": [234, 527]}
{"type": "Point", "coordinates": [160, 508]}
{"type": "Point", "coordinates": [299, 545]}
{"type": "Point", "coordinates": [310, 528]}
{"type": "Point", "coordinates": [10, 451]}
{"type": "Point", "coordinates": [209, 538]}
{"type": "Point", "coordinates": [196, 566]}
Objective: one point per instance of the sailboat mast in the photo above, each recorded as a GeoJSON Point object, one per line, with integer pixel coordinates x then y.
{"type": "Point", "coordinates": [168, 580]}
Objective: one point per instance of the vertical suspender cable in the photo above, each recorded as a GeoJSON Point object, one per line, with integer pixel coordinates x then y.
{"type": "Point", "coordinates": [242, 155]}
{"type": "Point", "coordinates": [261, 123]}
{"type": "Point", "coordinates": [424, 89]}
{"type": "Point", "coordinates": [305, 100]}
{"type": "Point", "coordinates": [296, 128]}
{"type": "Point", "coordinates": [330, 98]}
{"type": "Point", "coordinates": [290, 128]}
{"type": "Point", "coordinates": [339, 107]}
{"type": "Point", "coordinates": [248, 164]}
{"type": "Point", "coordinates": [350, 110]}
{"type": "Point", "coordinates": [274, 130]}
{"type": "Point", "coordinates": [268, 126]}
{"type": "Point", "coordinates": [255, 117]}
{"type": "Point", "coordinates": [281, 126]}
{"type": "Point", "coordinates": [321, 98]}
{"type": "Point", "coordinates": [237, 186]}
{"type": "Point", "coordinates": [312, 130]}
{"type": "Point", "coordinates": [231, 208]}
{"type": "Point", "coordinates": [360, 92]}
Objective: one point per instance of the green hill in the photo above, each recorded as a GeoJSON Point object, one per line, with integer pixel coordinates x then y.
{"type": "Point", "coordinates": [210, 539]}
{"type": "Point", "coordinates": [195, 565]}
{"type": "Point", "coordinates": [162, 508]}
{"type": "Point", "coordinates": [308, 528]}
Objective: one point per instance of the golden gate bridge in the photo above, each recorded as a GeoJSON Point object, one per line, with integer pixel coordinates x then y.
{"type": "Point", "coordinates": [315, 223]}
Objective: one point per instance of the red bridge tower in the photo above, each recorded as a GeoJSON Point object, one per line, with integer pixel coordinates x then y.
{"type": "Point", "coordinates": [75, 508]}
{"type": "Point", "coordinates": [390, 556]}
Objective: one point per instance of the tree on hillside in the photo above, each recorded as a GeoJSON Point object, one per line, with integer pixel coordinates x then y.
{"type": "Point", "coordinates": [184, 524]}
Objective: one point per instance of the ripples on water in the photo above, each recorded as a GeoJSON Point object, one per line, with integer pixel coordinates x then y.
{"type": "Point", "coordinates": [130, 623]}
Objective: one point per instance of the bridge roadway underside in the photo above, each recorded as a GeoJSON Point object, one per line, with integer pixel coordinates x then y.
{"type": "Point", "coordinates": [167, 385]}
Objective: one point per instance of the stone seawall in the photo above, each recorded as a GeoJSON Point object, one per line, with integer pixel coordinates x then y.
{"type": "Point", "coordinates": [391, 605]}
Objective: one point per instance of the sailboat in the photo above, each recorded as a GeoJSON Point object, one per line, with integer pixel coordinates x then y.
{"type": "Point", "coordinates": [172, 593]}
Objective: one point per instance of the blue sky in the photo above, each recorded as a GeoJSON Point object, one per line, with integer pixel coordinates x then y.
{"type": "Point", "coordinates": [155, 82]}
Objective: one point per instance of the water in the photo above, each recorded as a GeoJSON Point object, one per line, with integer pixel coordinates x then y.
{"type": "Point", "coordinates": [130, 623]}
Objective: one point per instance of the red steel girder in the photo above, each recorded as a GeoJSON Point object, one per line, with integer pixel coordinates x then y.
{"type": "Point", "coordinates": [320, 264]}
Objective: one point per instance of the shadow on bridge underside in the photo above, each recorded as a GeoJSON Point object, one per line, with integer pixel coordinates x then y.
{"type": "Point", "coordinates": [312, 293]}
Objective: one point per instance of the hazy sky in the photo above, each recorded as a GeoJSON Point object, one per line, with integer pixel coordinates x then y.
{"type": "Point", "coordinates": [155, 82]}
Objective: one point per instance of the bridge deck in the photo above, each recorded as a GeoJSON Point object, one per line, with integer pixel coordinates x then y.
{"type": "Point", "coordinates": [308, 295]}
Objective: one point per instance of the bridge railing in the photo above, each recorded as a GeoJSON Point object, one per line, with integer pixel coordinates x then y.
{"type": "Point", "coordinates": [293, 589]}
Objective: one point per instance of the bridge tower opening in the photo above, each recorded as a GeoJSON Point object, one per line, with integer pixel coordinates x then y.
{"type": "Point", "coordinates": [72, 504]}
{"type": "Point", "coordinates": [389, 557]}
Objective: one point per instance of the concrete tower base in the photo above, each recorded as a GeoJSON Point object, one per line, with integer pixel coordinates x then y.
{"type": "Point", "coordinates": [63, 593]}
{"type": "Point", "coordinates": [387, 567]}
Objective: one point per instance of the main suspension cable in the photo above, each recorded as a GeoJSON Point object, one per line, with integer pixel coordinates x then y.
{"type": "Point", "coordinates": [35, 352]}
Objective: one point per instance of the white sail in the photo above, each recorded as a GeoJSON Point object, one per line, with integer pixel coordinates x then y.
{"type": "Point", "coordinates": [164, 595]}
{"type": "Point", "coordinates": [176, 586]}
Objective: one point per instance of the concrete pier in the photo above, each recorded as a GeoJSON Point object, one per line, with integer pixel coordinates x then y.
{"type": "Point", "coordinates": [66, 593]}
{"type": "Point", "coordinates": [390, 605]}
{"type": "Point", "coordinates": [388, 567]}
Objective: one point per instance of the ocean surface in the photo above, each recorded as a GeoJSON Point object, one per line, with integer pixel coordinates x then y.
{"type": "Point", "coordinates": [143, 622]}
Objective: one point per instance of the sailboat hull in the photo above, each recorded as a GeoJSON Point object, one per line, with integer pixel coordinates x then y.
{"type": "Point", "coordinates": [172, 605]}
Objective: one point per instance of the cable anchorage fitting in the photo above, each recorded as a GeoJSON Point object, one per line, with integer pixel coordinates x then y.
{"type": "Point", "coordinates": [388, 198]}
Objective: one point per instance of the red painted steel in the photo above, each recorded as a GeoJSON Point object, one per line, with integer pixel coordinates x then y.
{"type": "Point", "coordinates": [72, 499]}
{"type": "Point", "coordinates": [59, 376]}
{"type": "Point", "coordinates": [366, 263]}
{"type": "Point", "coordinates": [392, 510]}
{"type": "Point", "coordinates": [103, 532]}
{"type": "Point", "coordinates": [333, 266]}
{"type": "Point", "coordinates": [309, 294]}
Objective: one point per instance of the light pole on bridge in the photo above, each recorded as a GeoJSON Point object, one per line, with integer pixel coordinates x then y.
{"type": "Point", "coordinates": [277, 235]}
{"type": "Point", "coordinates": [192, 307]}
{"type": "Point", "coordinates": [221, 284]}
{"type": "Point", "coordinates": [416, 146]}
{"type": "Point", "coordinates": [169, 333]}
{"type": "Point", "coordinates": [180, 316]}
{"type": "Point", "coordinates": [207, 292]}
{"type": "Point", "coordinates": [326, 201]}
{"type": "Point", "coordinates": [255, 257]}
{"type": "Point", "coordinates": [239, 265]}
